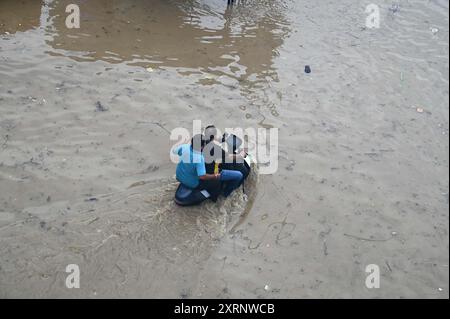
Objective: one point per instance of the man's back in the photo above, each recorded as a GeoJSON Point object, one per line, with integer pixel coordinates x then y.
{"type": "Point", "coordinates": [190, 167]}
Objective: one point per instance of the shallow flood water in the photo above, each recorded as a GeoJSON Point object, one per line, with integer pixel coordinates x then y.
{"type": "Point", "coordinates": [363, 148]}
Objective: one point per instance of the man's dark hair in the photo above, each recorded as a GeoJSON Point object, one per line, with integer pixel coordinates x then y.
{"type": "Point", "coordinates": [198, 142]}
{"type": "Point", "coordinates": [210, 133]}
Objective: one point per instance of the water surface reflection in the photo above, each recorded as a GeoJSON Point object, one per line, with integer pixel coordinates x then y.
{"type": "Point", "coordinates": [239, 41]}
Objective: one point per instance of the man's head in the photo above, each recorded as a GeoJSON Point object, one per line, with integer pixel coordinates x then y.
{"type": "Point", "coordinates": [210, 133]}
{"type": "Point", "coordinates": [198, 142]}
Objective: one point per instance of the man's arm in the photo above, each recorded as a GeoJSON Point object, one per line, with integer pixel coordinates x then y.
{"type": "Point", "coordinates": [201, 171]}
{"type": "Point", "coordinates": [209, 177]}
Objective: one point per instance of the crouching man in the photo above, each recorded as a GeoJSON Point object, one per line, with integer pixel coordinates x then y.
{"type": "Point", "coordinates": [191, 170]}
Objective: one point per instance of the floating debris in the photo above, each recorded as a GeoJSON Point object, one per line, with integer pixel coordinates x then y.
{"type": "Point", "coordinates": [307, 69]}
{"type": "Point", "coordinates": [434, 30]}
{"type": "Point", "coordinates": [394, 8]}
{"type": "Point", "coordinates": [100, 107]}
{"type": "Point", "coordinates": [210, 76]}
{"type": "Point", "coordinates": [150, 69]}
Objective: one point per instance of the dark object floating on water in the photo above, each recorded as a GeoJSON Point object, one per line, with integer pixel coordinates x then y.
{"type": "Point", "coordinates": [307, 69]}
{"type": "Point", "coordinates": [394, 8]}
{"type": "Point", "coordinates": [100, 108]}
{"type": "Point", "coordinates": [185, 196]}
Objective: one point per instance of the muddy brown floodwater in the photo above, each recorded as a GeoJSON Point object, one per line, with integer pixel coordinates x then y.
{"type": "Point", "coordinates": [85, 175]}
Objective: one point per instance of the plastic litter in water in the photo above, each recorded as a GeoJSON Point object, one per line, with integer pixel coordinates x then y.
{"type": "Point", "coordinates": [307, 69]}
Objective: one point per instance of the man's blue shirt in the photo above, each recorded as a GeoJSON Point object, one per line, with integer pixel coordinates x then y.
{"type": "Point", "coordinates": [190, 167]}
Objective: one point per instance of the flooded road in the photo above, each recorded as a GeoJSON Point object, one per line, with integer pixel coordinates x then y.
{"type": "Point", "coordinates": [85, 174]}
